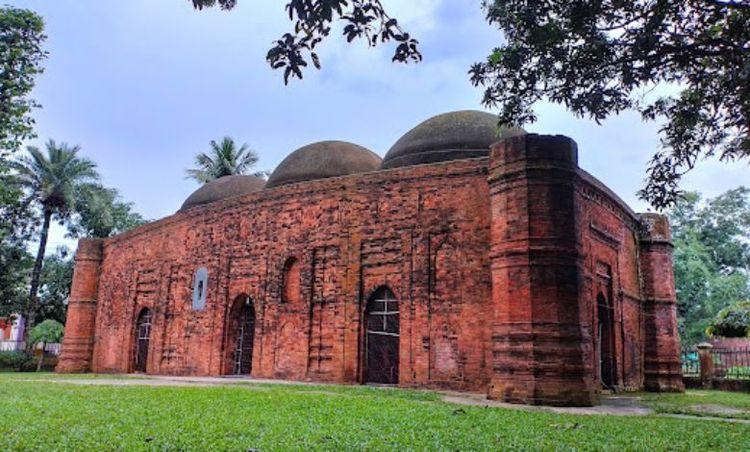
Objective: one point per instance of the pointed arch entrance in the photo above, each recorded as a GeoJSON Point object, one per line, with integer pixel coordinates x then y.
{"type": "Point", "coordinates": [240, 337]}
{"type": "Point", "coordinates": [606, 342]}
{"type": "Point", "coordinates": [141, 340]}
{"type": "Point", "coordinates": [382, 338]}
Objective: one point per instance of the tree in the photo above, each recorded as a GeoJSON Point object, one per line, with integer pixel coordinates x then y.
{"type": "Point", "coordinates": [15, 267]}
{"type": "Point", "coordinates": [224, 159]}
{"type": "Point", "coordinates": [54, 286]}
{"type": "Point", "coordinates": [52, 180]}
{"type": "Point", "coordinates": [711, 258]}
{"type": "Point", "coordinates": [101, 213]}
{"type": "Point", "coordinates": [16, 220]}
{"type": "Point", "coordinates": [596, 57]}
{"type": "Point", "coordinates": [599, 57]}
{"type": "Point", "coordinates": [732, 321]}
{"type": "Point", "coordinates": [313, 19]}
{"type": "Point", "coordinates": [49, 331]}
{"type": "Point", "coordinates": [21, 56]}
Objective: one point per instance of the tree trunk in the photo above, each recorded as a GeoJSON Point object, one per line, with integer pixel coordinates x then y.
{"type": "Point", "coordinates": [41, 358]}
{"type": "Point", "coordinates": [36, 274]}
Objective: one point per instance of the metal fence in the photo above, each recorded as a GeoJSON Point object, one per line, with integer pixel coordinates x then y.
{"type": "Point", "coordinates": [12, 346]}
{"type": "Point", "coordinates": [732, 364]}
{"type": "Point", "coordinates": [691, 365]}
{"type": "Point", "coordinates": [17, 346]}
{"type": "Point", "coordinates": [724, 363]}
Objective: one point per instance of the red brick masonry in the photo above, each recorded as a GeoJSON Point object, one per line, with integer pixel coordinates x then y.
{"type": "Point", "coordinates": [510, 273]}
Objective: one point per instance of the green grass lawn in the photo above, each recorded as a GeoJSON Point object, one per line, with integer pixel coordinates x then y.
{"type": "Point", "coordinates": [699, 403]}
{"type": "Point", "coordinates": [47, 415]}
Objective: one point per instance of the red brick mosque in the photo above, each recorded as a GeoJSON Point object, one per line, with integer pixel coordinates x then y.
{"type": "Point", "coordinates": [464, 259]}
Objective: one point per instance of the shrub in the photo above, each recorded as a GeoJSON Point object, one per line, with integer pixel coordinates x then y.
{"type": "Point", "coordinates": [16, 361]}
{"type": "Point", "coordinates": [46, 332]}
{"type": "Point", "coordinates": [732, 321]}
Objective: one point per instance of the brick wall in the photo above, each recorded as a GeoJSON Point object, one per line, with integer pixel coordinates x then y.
{"type": "Point", "coordinates": [496, 264]}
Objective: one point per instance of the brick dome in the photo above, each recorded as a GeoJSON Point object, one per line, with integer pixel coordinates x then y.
{"type": "Point", "coordinates": [449, 136]}
{"type": "Point", "coordinates": [322, 160]}
{"type": "Point", "coordinates": [223, 188]}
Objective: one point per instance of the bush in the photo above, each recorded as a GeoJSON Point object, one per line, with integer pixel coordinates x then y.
{"type": "Point", "coordinates": [46, 332]}
{"type": "Point", "coordinates": [732, 321]}
{"type": "Point", "coordinates": [16, 361]}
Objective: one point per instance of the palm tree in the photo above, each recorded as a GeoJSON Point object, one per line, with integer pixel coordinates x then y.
{"type": "Point", "coordinates": [224, 159]}
{"type": "Point", "coordinates": [52, 181]}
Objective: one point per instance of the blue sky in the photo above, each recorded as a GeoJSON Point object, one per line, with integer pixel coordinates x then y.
{"type": "Point", "coordinates": [144, 85]}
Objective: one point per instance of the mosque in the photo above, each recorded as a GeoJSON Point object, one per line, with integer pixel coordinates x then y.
{"type": "Point", "coordinates": [466, 259]}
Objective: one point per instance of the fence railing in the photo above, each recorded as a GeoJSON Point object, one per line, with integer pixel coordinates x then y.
{"type": "Point", "coordinates": [691, 366]}
{"type": "Point", "coordinates": [51, 348]}
{"type": "Point", "coordinates": [12, 346]}
{"type": "Point", "coordinates": [731, 363]}
{"type": "Point", "coordinates": [709, 363]}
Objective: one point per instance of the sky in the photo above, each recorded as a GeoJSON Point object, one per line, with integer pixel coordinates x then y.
{"type": "Point", "coordinates": [143, 86]}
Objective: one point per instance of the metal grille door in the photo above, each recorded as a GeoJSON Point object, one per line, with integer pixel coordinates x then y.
{"type": "Point", "coordinates": [142, 335]}
{"type": "Point", "coordinates": [382, 338]}
{"type": "Point", "coordinates": [606, 343]}
{"type": "Point", "coordinates": [243, 350]}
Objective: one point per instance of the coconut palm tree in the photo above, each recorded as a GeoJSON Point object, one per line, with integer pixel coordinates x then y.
{"type": "Point", "coordinates": [53, 182]}
{"type": "Point", "coordinates": [224, 159]}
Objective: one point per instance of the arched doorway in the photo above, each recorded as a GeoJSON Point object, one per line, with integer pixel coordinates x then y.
{"type": "Point", "coordinates": [240, 337]}
{"type": "Point", "coordinates": [382, 338]}
{"type": "Point", "coordinates": [141, 341]}
{"type": "Point", "coordinates": [606, 342]}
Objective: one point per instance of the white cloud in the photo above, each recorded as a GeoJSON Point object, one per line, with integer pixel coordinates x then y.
{"type": "Point", "coordinates": [144, 85]}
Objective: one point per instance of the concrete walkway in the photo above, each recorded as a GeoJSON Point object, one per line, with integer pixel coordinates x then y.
{"type": "Point", "coordinates": [610, 405]}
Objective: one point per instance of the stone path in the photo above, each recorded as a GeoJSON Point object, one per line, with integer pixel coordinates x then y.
{"type": "Point", "coordinates": [610, 406]}
{"type": "Point", "coordinates": [614, 406]}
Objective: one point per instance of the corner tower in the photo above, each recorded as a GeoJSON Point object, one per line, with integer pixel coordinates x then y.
{"type": "Point", "coordinates": [78, 343]}
{"type": "Point", "coordinates": [538, 345]}
{"type": "Point", "coordinates": [662, 342]}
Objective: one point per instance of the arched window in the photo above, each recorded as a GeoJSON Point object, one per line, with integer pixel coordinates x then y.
{"type": "Point", "coordinates": [382, 338]}
{"type": "Point", "coordinates": [200, 287]}
{"type": "Point", "coordinates": [290, 281]}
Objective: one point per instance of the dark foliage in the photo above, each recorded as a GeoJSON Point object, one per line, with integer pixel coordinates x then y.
{"type": "Point", "coordinates": [600, 57]}
{"type": "Point", "coordinates": [15, 268]}
{"type": "Point", "coordinates": [313, 21]}
{"type": "Point", "coordinates": [732, 321]}
{"type": "Point", "coordinates": [100, 212]}
{"type": "Point", "coordinates": [16, 361]}
{"type": "Point", "coordinates": [711, 257]}
{"type": "Point", "coordinates": [21, 55]}
{"type": "Point", "coordinates": [54, 290]}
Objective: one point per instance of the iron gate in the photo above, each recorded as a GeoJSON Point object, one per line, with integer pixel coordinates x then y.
{"type": "Point", "coordinates": [382, 338]}
{"type": "Point", "coordinates": [142, 335]}
{"type": "Point", "coordinates": [243, 350]}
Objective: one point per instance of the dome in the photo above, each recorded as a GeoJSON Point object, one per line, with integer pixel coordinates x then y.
{"type": "Point", "coordinates": [322, 160]}
{"type": "Point", "coordinates": [223, 188]}
{"type": "Point", "coordinates": [450, 136]}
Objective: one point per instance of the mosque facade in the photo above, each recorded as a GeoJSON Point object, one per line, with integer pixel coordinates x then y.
{"type": "Point", "coordinates": [465, 259]}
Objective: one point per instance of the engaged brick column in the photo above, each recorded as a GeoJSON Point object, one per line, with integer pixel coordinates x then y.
{"type": "Point", "coordinates": [662, 341]}
{"type": "Point", "coordinates": [538, 348]}
{"type": "Point", "coordinates": [78, 343]}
